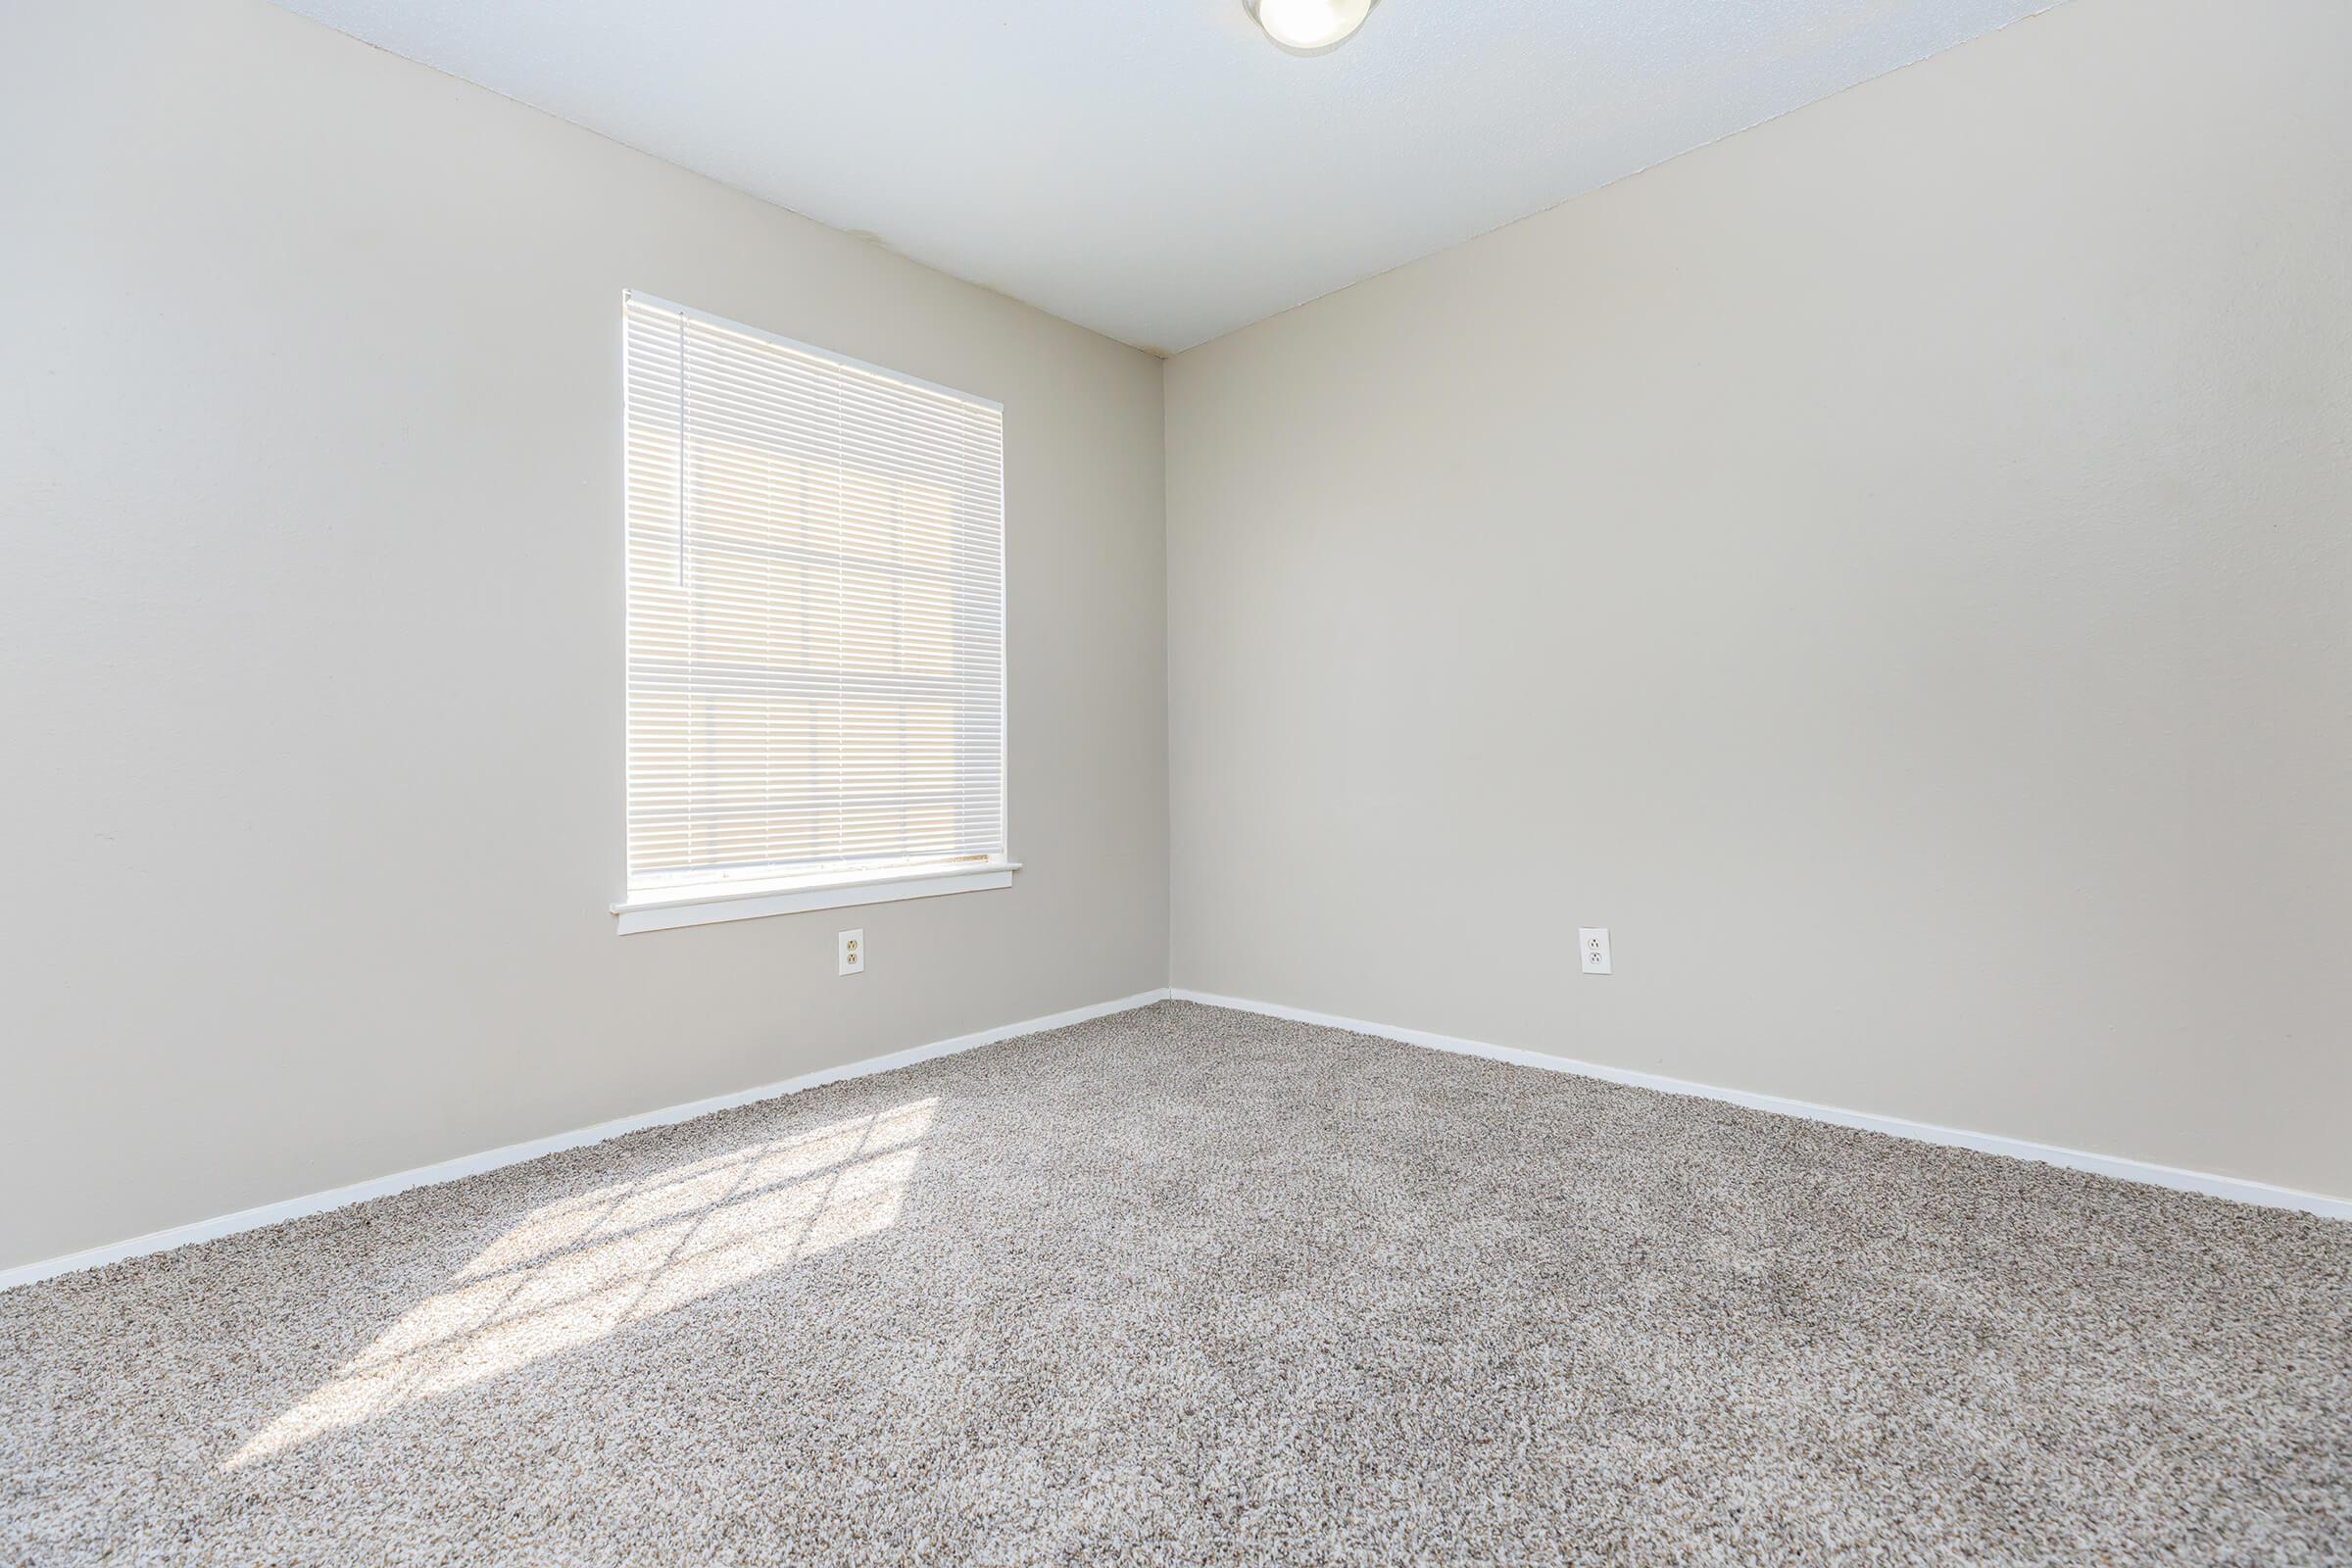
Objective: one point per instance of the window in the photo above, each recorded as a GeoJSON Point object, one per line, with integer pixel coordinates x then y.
{"type": "Point", "coordinates": [815, 628]}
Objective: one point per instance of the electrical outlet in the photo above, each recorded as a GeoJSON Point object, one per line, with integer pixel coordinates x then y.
{"type": "Point", "coordinates": [852, 953]}
{"type": "Point", "coordinates": [1592, 941]}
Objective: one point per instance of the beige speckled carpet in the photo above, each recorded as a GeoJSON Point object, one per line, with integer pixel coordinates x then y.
{"type": "Point", "coordinates": [1183, 1285]}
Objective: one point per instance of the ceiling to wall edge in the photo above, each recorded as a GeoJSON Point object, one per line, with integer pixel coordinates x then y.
{"type": "Point", "coordinates": [882, 243]}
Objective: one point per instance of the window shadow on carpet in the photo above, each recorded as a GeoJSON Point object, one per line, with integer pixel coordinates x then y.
{"type": "Point", "coordinates": [579, 1269]}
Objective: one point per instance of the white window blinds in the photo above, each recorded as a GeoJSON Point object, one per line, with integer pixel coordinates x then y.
{"type": "Point", "coordinates": [816, 611]}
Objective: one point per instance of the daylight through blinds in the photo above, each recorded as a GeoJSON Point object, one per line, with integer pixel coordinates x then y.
{"type": "Point", "coordinates": [815, 611]}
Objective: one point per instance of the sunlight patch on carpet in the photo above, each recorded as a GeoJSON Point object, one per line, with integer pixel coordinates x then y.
{"type": "Point", "coordinates": [576, 1271]}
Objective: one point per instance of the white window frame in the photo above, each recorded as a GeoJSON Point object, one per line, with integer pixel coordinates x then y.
{"type": "Point", "coordinates": [662, 909]}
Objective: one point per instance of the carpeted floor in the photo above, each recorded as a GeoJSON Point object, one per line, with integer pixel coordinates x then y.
{"type": "Point", "coordinates": [1185, 1286]}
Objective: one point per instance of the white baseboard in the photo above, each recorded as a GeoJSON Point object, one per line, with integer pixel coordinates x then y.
{"type": "Point", "coordinates": [450, 1171]}
{"type": "Point", "coordinates": [2262, 1194]}
{"type": "Point", "coordinates": [2130, 1170]}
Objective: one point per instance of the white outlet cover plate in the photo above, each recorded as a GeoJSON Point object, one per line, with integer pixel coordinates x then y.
{"type": "Point", "coordinates": [1592, 941]}
{"type": "Point", "coordinates": [852, 946]}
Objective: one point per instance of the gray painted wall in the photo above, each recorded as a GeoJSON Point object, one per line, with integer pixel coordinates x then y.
{"type": "Point", "coordinates": [311, 598]}
{"type": "Point", "coordinates": [1892, 568]}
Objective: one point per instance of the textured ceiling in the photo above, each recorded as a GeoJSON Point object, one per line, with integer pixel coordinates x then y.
{"type": "Point", "coordinates": [1155, 168]}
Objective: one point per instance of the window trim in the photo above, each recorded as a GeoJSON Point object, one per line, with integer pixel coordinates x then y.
{"type": "Point", "coordinates": [665, 909]}
{"type": "Point", "coordinates": [711, 903]}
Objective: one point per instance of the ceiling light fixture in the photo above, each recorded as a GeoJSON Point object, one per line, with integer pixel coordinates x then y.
{"type": "Point", "coordinates": [1309, 26]}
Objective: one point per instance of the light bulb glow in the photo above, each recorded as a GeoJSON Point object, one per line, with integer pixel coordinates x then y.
{"type": "Point", "coordinates": [1310, 26]}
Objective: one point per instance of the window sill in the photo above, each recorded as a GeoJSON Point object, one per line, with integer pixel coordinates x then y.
{"type": "Point", "coordinates": [707, 903]}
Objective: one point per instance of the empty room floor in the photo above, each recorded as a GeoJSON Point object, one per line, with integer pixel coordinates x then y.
{"type": "Point", "coordinates": [1185, 1284]}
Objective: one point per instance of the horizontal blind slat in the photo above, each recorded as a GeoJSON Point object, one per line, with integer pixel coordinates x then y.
{"type": "Point", "coordinates": [815, 610]}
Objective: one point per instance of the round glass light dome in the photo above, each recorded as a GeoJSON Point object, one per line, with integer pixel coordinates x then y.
{"type": "Point", "coordinates": [1309, 26]}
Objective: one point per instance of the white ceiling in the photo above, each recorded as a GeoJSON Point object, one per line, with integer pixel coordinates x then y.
{"type": "Point", "coordinates": [1155, 168]}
